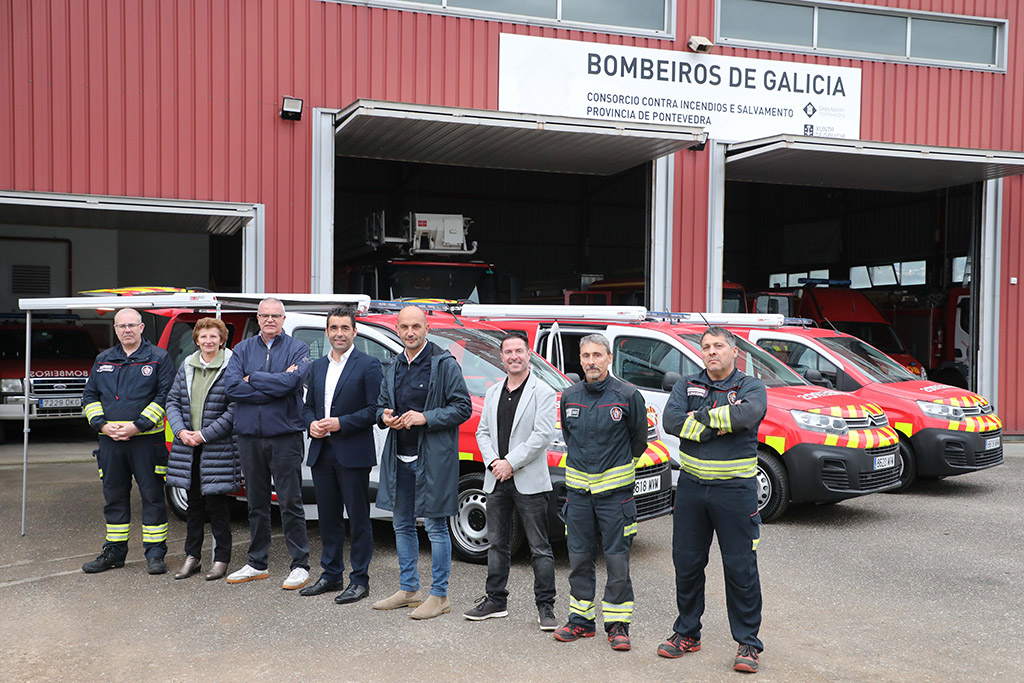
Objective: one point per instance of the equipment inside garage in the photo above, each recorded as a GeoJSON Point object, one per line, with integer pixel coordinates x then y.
{"type": "Point", "coordinates": [528, 236]}
{"type": "Point", "coordinates": [909, 252]}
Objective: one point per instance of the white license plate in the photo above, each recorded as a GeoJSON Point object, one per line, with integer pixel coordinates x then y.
{"type": "Point", "coordinates": [883, 461]}
{"type": "Point", "coordinates": [992, 443]}
{"type": "Point", "coordinates": [642, 486]}
{"type": "Point", "coordinates": [60, 402]}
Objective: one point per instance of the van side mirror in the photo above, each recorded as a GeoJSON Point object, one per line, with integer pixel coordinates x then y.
{"type": "Point", "coordinates": [669, 380]}
{"type": "Point", "coordinates": [573, 377]}
{"type": "Point", "coordinates": [813, 376]}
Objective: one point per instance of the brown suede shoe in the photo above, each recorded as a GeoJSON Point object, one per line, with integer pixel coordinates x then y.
{"type": "Point", "coordinates": [432, 607]}
{"type": "Point", "coordinates": [399, 599]}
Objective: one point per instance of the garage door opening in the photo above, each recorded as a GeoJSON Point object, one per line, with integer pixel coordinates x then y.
{"type": "Point", "coordinates": [490, 206]}
{"type": "Point", "coordinates": [904, 225]}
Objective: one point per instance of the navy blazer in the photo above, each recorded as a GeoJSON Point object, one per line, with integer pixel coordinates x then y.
{"type": "Point", "coordinates": [355, 406]}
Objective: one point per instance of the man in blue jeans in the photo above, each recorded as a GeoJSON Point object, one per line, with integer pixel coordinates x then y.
{"type": "Point", "coordinates": [423, 400]}
{"type": "Point", "coordinates": [516, 427]}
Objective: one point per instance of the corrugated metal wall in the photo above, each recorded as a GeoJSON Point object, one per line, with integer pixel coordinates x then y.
{"type": "Point", "coordinates": [179, 99]}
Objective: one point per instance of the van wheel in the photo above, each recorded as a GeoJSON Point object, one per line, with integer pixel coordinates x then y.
{"type": "Point", "coordinates": [468, 529]}
{"type": "Point", "coordinates": [908, 473]}
{"type": "Point", "coordinates": [177, 501]}
{"type": "Point", "coordinates": [772, 486]}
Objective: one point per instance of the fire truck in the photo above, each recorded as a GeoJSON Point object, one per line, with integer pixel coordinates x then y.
{"type": "Point", "coordinates": [62, 356]}
{"type": "Point", "coordinates": [815, 444]}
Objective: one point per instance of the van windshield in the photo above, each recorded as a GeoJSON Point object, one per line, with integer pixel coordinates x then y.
{"type": "Point", "coordinates": [872, 362]}
{"type": "Point", "coordinates": [879, 335]}
{"type": "Point", "coordinates": [479, 354]}
{"type": "Point", "coordinates": [756, 362]}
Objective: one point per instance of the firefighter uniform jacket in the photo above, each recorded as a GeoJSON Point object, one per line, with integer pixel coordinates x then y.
{"type": "Point", "coordinates": [131, 388]}
{"type": "Point", "coordinates": [605, 428]}
{"type": "Point", "coordinates": [733, 406]}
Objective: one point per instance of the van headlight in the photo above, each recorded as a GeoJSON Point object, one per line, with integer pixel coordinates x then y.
{"type": "Point", "coordinates": [12, 386]}
{"type": "Point", "coordinates": [817, 422]}
{"type": "Point", "coordinates": [942, 411]}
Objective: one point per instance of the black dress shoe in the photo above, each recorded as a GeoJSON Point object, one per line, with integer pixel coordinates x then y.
{"type": "Point", "coordinates": [322, 586]}
{"type": "Point", "coordinates": [354, 593]}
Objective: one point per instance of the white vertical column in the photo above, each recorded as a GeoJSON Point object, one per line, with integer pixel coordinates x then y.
{"type": "Point", "coordinates": [662, 193]}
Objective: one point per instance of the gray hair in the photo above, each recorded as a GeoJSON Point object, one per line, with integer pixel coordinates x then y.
{"type": "Point", "coordinates": [717, 331]}
{"type": "Point", "coordinates": [597, 338]}
{"type": "Point", "coordinates": [272, 300]}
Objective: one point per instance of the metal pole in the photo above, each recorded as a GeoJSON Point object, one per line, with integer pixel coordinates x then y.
{"type": "Point", "coordinates": [25, 427]}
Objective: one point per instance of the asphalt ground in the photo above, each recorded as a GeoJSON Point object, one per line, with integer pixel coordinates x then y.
{"type": "Point", "coordinates": [920, 586]}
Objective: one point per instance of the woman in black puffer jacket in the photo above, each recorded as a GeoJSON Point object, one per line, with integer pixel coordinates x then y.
{"type": "Point", "coordinates": [205, 460]}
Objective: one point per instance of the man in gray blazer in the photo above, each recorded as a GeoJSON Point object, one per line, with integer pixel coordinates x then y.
{"type": "Point", "coordinates": [516, 428]}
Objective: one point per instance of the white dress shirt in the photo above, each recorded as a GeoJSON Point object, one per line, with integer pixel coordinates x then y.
{"type": "Point", "coordinates": [334, 370]}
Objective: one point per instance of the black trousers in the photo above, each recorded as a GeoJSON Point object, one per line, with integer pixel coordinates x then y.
{"type": "Point", "coordinates": [502, 504]}
{"type": "Point", "coordinates": [217, 507]}
{"type": "Point", "coordinates": [728, 509]}
{"type": "Point", "coordinates": [279, 457]}
{"type": "Point", "coordinates": [145, 458]}
{"type": "Point", "coordinates": [340, 489]}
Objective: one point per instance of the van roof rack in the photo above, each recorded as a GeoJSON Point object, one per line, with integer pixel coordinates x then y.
{"type": "Point", "coordinates": [723, 319]}
{"type": "Point", "coordinates": [627, 314]}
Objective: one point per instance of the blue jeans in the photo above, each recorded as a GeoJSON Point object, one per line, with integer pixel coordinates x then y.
{"type": "Point", "coordinates": [407, 543]}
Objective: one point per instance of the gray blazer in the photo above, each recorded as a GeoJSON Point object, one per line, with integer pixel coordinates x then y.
{"type": "Point", "coordinates": [533, 430]}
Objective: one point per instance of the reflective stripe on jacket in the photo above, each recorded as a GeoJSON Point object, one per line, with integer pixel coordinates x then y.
{"type": "Point", "coordinates": [129, 389]}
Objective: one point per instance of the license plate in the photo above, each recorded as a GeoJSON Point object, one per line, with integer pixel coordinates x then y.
{"type": "Point", "coordinates": [60, 402]}
{"type": "Point", "coordinates": [992, 443]}
{"type": "Point", "coordinates": [883, 461]}
{"type": "Point", "coordinates": [642, 486]}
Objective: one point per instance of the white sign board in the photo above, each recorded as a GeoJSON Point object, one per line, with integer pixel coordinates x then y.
{"type": "Point", "coordinates": [733, 98]}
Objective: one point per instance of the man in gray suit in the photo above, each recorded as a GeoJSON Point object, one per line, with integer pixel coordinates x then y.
{"type": "Point", "coordinates": [516, 427]}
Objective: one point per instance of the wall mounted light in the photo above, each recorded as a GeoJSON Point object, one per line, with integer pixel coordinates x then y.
{"type": "Point", "coordinates": [700, 44]}
{"type": "Point", "coordinates": [291, 108]}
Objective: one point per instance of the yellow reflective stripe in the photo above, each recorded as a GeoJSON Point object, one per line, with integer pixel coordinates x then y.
{"type": "Point", "coordinates": [583, 608]}
{"type": "Point", "coordinates": [742, 468]}
{"type": "Point", "coordinates": [756, 541]}
{"type": "Point", "coordinates": [155, 430]}
{"type": "Point", "coordinates": [154, 412]}
{"type": "Point", "coordinates": [155, 533]}
{"type": "Point", "coordinates": [465, 456]}
{"type": "Point", "coordinates": [616, 477]}
{"type": "Point", "coordinates": [720, 418]}
{"type": "Point", "coordinates": [160, 470]}
{"type": "Point", "coordinates": [94, 409]}
{"type": "Point", "coordinates": [118, 532]}
{"type": "Point", "coordinates": [622, 612]}
{"type": "Point", "coordinates": [101, 473]}
{"type": "Point", "coordinates": [692, 429]}
{"type": "Point", "coordinates": [629, 529]}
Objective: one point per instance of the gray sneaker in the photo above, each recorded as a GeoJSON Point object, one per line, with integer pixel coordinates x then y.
{"type": "Point", "coordinates": [485, 609]}
{"type": "Point", "coordinates": [546, 618]}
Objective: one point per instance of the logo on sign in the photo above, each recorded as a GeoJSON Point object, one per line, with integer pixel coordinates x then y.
{"type": "Point", "coordinates": [808, 129]}
{"type": "Point", "coordinates": [147, 370]}
{"type": "Point", "coordinates": [616, 413]}
{"type": "Point", "coordinates": [809, 110]}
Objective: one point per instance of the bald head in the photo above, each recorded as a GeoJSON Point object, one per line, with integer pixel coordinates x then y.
{"type": "Point", "coordinates": [412, 329]}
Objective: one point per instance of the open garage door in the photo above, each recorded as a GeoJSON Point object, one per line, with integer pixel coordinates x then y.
{"type": "Point", "coordinates": [915, 228]}
{"type": "Point", "coordinates": [552, 203]}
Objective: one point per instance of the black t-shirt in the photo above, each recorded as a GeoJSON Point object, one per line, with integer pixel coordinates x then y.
{"type": "Point", "coordinates": [508, 401]}
{"type": "Point", "coordinates": [411, 382]}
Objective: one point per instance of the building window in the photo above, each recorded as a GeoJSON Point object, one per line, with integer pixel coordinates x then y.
{"type": "Point", "coordinates": [636, 17]}
{"type": "Point", "coordinates": [864, 32]}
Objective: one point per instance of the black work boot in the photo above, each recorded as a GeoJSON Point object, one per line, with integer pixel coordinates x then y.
{"type": "Point", "coordinates": [108, 558]}
{"type": "Point", "coordinates": [156, 565]}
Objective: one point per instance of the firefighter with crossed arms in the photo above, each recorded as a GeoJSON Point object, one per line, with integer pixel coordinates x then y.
{"type": "Point", "coordinates": [716, 414]}
{"type": "Point", "coordinates": [124, 401]}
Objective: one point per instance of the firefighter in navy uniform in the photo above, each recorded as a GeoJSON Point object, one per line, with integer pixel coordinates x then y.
{"type": "Point", "coordinates": [124, 401]}
{"type": "Point", "coordinates": [604, 422]}
{"type": "Point", "coordinates": [716, 413]}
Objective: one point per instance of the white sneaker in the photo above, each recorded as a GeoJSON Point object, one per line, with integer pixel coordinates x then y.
{"type": "Point", "coordinates": [248, 573]}
{"type": "Point", "coordinates": [297, 579]}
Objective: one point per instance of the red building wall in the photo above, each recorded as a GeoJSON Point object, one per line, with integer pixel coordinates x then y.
{"type": "Point", "coordinates": [179, 99]}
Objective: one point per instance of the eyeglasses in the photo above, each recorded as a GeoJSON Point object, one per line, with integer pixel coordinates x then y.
{"type": "Point", "coordinates": [126, 326]}
{"type": "Point", "coordinates": [275, 316]}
